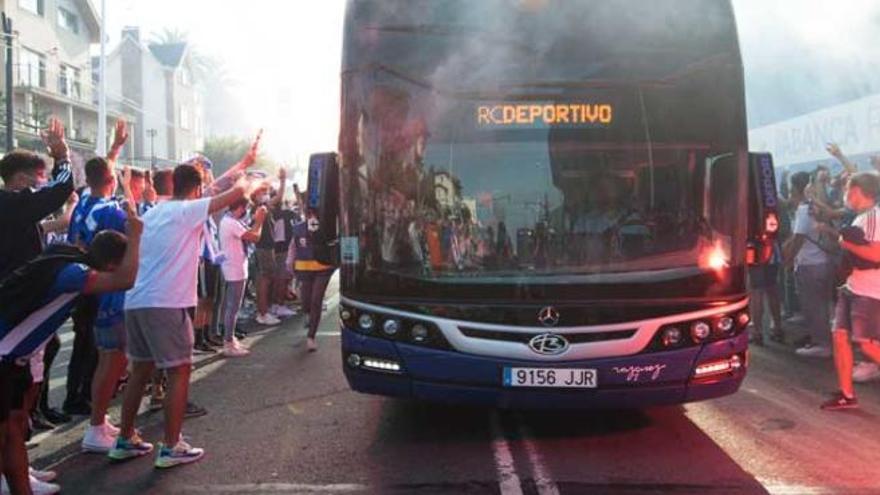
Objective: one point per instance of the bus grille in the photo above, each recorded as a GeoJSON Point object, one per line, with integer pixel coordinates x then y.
{"type": "Point", "coordinates": [574, 338]}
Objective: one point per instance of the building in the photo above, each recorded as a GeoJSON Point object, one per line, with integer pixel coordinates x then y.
{"type": "Point", "coordinates": [799, 143]}
{"type": "Point", "coordinates": [154, 83]}
{"type": "Point", "coordinates": [51, 70]}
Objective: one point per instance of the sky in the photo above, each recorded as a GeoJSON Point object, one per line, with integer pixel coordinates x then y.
{"type": "Point", "coordinates": [284, 55]}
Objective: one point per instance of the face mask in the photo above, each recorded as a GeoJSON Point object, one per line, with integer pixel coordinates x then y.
{"type": "Point", "coordinates": [313, 224]}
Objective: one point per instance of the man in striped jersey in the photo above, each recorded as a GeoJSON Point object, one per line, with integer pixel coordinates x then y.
{"type": "Point", "coordinates": [35, 300]}
{"type": "Point", "coordinates": [857, 316]}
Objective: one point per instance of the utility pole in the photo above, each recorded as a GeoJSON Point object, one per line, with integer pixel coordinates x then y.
{"type": "Point", "coordinates": [152, 134]}
{"type": "Point", "coordinates": [102, 85]}
{"type": "Point", "coordinates": [10, 124]}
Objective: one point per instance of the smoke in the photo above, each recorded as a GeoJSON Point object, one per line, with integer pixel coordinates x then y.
{"type": "Point", "coordinates": [803, 55]}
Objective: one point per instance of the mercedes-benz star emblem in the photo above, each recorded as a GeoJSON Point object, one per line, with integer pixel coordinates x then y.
{"type": "Point", "coordinates": [549, 343]}
{"type": "Point", "coordinates": [549, 316]}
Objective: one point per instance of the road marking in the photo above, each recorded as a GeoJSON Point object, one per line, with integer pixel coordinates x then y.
{"type": "Point", "coordinates": [508, 480]}
{"type": "Point", "coordinates": [274, 488]}
{"type": "Point", "coordinates": [543, 481]}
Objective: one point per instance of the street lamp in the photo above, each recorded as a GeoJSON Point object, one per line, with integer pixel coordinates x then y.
{"type": "Point", "coordinates": [152, 134]}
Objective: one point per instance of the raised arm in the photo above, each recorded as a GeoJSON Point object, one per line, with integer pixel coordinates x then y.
{"type": "Point", "coordinates": [246, 162]}
{"type": "Point", "coordinates": [282, 185]}
{"type": "Point", "coordinates": [61, 223]}
{"type": "Point", "coordinates": [243, 187]}
{"type": "Point", "coordinates": [834, 150]}
{"type": "Point", "coordinates": [253, 235]}
{"type": "Point", "coordinates": [120, 136]}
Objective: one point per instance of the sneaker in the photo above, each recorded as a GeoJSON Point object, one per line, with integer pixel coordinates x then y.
{"type": "Point", "coordinates": [38, 487]}
{"type": "Point", "coordinates": [40, 423]}
{"type": "Point", "coordinates": [194, 410]}
{"type": "Point", "coordinates": [125, 449]}
{"type": "Point", "coordinates": [839, 402]}
{"type": "Point", "coordinates": [814, 351]}
{"type": "Point", "coordinates": [865, 372]}
{"type": "Point", "coordinates": [283, 311]}
{"type": "Point", "coordinates": [311, 345]}
{"type": "Point", "coordinates": [203, 348]}
{"type": "Point", "coordinates": [182, 453]}
{"type": "Point", "coordinates": [98, 439]}
{"type": "Point", "coordinates": [109, 426]}
{"type": "Point", "coordinates": [268, 319]}
{"type": "Point", "coordinates": [44, 476]}
{"type": "Point", "coordinates": [230, 349]}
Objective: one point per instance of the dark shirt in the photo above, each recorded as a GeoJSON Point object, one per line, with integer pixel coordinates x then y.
{"type": "Point", "coordinates": [21, 213]}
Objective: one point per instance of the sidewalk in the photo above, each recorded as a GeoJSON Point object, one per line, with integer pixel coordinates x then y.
{"type": "Point", "coordinates": [51, 447]}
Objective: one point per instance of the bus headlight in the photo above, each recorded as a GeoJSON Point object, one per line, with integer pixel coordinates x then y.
{"type": "Point", "coordinates": [365, 322]}
{"type": "Point", "coordinates": [700, 331]}
{"type": "Point", "coordinates": [671, 337]}
{"type": "Point", "coordinates": [419, 333]}
{"type": "Point", "coordinates": [724, 324]}
{"type": "Point", "coordinates": [391, 327]}
{"type": "Point", "coordinates": [743, 319]}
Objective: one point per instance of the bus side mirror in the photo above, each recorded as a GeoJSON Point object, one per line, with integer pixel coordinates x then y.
{"type": "Point", "coordinates": [322, 196]}
{"type": "Point", "coordinates": [763, 208]}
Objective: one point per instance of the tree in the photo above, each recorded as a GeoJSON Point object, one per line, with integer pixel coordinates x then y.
{"type": "Point", "coordinates": [226, 151]}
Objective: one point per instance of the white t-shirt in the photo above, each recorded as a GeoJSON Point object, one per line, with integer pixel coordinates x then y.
{"type": "Point", "coordinates": [235, 266]}
{"type": "Point", "coordinates": [806, 225]}
{"type": "Point", "coordinates": [169, 259]}
{"type": "Point", "coordinates": [866, 283]}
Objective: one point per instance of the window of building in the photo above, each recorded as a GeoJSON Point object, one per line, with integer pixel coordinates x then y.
{"type": "Point", "coordinates": [68, 20]}
{"type": "Point", "coordinates": [184, 117]}
{"type": "Point", "coordinates": [76, 84]}
{"type": "Point", "coordinates": [66, 78]}
{"type": "Point", "coordinates": [31, 69]}
{"type": "Point", "coordinates": [33, 6]}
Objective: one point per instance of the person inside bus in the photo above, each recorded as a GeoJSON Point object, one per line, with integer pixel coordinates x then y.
{"type": "Point", "coordinates": [313, 275]}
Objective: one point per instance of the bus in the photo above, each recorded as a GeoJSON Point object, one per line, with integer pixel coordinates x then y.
{"type": "Point", "coordinates": [543, 203]}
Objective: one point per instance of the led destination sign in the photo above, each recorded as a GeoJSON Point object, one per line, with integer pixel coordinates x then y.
{"type": "Point", "coordinates": [541, 115]}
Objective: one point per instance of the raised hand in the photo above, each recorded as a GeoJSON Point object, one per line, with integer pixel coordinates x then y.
{"type": "Point", "coordinates": [250, 157]}
{"type": "Point", "coordinates": [282, 173]}
{"type": "Point", "coordinates": [134, 226]}
{"type": "Point", "coordinates": [260, 215]}
{"type": "Point", "coordinates": [53, 137]}
{"type": "Point", "coordinates": [834, 150]}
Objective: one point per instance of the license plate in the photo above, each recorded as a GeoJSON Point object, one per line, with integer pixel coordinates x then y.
{"type": "Point", "coordinates": [550, 377]}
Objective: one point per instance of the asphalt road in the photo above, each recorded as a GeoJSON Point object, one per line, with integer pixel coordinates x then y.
{"type": "Point", "coordinates": [284, 421]}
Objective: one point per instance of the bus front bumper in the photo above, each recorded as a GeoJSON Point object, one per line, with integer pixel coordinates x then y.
{"type": "Point", "coordinates": [661, 378]}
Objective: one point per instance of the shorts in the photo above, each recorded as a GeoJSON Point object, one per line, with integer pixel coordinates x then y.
{"type": "Point", "coordinates": [161, 335]}
{"type": "Point", "coordinates": [858, 315]}
{"type": "Point", "coordinates": [764, 276]}
{"type": "Point", "coordinates": [209, 280]}
{"type": "Point", "coordinates": [111, 338]}
{"type": "Point", "coordinates": [269, 263]}
{"type": "Point", "coordinates": [15, 381]}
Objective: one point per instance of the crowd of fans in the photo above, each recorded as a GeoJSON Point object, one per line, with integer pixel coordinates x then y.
{"type": "Point", "coordinates": [152, 267]}
{"type": "Point", "coordinates": [824, 275]}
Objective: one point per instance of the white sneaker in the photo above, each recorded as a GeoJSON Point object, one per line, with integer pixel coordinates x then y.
{"type": "Point", "coordinates": [866, 371]}
{"type": "Point", "coordinates": [283, 311]}
{"type": "Point", "coordinates": [37, 487]}
{"type": "Point", "coordinates": [230, 349]}
{"type": "Point", "coordinates": [44, 476]}
{"type": "Point", "coordinates": [98, 439]}
{"type": "Point", "coordinates": [182, 453]}
{"type": "Point", "coordinates": [268, 319]}
{"type": "Point", "coordinates": [113, 430]}
{"type": "Point", "coordinates": [814, 351]}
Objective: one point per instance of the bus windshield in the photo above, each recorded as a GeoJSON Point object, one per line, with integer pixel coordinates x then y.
{"type": "Point", "coordinates": [498, 143]}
